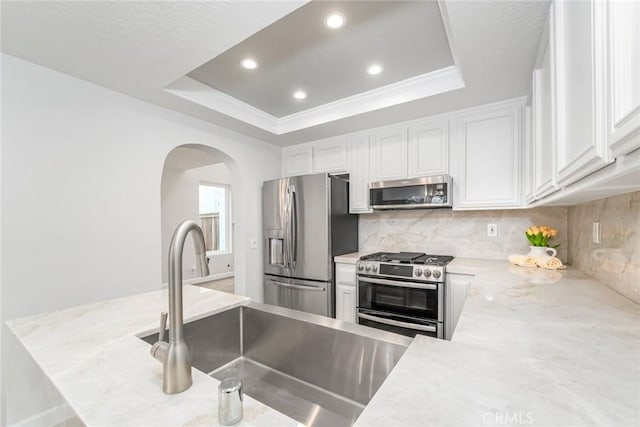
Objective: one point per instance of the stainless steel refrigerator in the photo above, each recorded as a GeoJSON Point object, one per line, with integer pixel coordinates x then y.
{"type": "Point", "coordinates": [306, 223]}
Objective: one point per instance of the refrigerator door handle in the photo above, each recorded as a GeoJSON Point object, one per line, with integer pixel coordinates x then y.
{"type": "Point", "coordinates": [287, 228]}
{"type": "Point", "coordinates": [293, 208]}
{"type": "Point", "coordinates": [300, 287]}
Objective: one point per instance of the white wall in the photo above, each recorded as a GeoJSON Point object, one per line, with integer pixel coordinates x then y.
{"type": "Point", "coordinates": [81, 174]}
{"type": "Point", "coordinates": [180, 201]}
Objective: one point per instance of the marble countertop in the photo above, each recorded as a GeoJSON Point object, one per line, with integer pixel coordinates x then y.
{"type": "Point", "coordinates": [351, 258]}
{"type": "Point", "coordinates": [105, 373]}
{"type": "Point", "coordinates": [532, 347]}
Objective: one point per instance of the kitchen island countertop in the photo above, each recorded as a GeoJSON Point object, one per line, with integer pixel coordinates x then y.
{"type": "Point", "coordinates": [532, 346]}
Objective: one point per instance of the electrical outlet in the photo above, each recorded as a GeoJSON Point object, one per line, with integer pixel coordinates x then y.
{"type": "Point", "coordinates": [492, 230]}
{"type": "Point", "coordinates": [596, 232]}
{"type": "Point", "coordinates": [254, 244]}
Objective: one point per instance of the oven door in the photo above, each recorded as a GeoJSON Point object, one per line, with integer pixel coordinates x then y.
{"type": "Point", "coordinates": [401, 297]}
{"type": "Point", "coordinates": [403, 325]}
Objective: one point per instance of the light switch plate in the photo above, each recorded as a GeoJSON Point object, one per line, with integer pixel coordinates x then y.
{"type": "Point", "coordinates": [492, 230]}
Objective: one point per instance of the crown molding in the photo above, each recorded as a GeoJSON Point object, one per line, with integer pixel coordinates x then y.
{"type": "Point", "coordinates": [199, 93]}
{"type": "Point", "coordinates": [421, 86]}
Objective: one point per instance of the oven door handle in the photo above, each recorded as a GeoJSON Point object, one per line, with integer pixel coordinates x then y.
{"type": "Point", "coordinates": [397, 323]}
{"type": "Point", "coordinates": [399, 284]}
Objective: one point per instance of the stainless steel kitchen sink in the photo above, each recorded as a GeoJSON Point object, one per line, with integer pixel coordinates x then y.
{"type": "Point", "coordinates": [318, 371]}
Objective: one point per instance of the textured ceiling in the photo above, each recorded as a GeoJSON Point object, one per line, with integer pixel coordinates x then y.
{"type": "Point", "coordinates": [138, 48]}
{"type": "Point", "coordinates": [299, 51]}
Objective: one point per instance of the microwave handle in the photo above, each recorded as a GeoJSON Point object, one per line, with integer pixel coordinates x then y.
{"type": "Point", "coordinates": [397, 323]}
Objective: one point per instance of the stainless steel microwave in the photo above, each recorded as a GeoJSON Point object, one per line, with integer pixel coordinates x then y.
{"type": "Point", "coordinates": [415, 193]}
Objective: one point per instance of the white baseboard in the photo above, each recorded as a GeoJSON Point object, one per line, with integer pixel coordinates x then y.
{"type": "Point", "coordinates": [51, 417]}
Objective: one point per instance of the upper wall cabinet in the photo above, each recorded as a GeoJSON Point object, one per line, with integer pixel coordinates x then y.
{"type": "Point", "coordinates": [578, 57]}
{"type": "Point", "coordinates": [296, 160]}
{"type": "Point", "coordinates": [488, 149]}
{"type": "Point", "coordinates": [428, 148]}
{"type": "Point", "coordinates": [389, 154]}
{"type": "Point", "coordinates": [528, 155]}
{"type": "Point", "coordinates": [358, 149]}
{"type": "Point", "coordinates": [542, 118]}
{"type": "Point", "coordinates": [622, 19]}
{"type": "Point", "coordinates": [329, 156]}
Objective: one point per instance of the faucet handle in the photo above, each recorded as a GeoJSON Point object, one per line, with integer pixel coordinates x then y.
{"type": "Point", "coordinates": [163, 325]}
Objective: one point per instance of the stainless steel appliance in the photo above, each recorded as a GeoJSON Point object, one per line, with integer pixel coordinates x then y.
{"type": "Point", "coordinates": [425, 192]}
{"type": "Point", "coordinates": [306, 223]}
{"type": "Point", "coordinates": [402, 292]}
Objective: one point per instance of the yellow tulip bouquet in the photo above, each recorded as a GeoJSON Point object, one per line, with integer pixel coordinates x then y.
{"type": "Point", "coordinates": [540, 236]}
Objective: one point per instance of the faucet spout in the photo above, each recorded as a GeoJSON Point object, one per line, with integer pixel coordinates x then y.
{"type": "Point", "coordinates": [174, 355]}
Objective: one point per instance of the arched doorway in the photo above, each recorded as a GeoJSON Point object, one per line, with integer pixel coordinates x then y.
{"type": "Point", "coordinates": [197, 184]}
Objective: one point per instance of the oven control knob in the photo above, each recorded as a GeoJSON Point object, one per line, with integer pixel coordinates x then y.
{"type": "Point", "coordinates": [427, 273]}
{"type": "Point", "coordinates": [437, 274]}
{"type": "Point", "coordinates": [418, 272]}
{"type": "Point", "coordinates": [360, 267]}
{"type": "Point", "coordinates": [368, 267]}
{"type": "Point", "coordinates": [374, 268]}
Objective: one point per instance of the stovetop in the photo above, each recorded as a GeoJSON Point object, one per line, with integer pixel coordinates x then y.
{"type": "Point", "coordinates": [409, 258]}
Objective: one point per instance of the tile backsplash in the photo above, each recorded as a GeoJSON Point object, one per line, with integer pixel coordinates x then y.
{"type": "Point", "coordinates": [459, 233]}
{"type": "Point", "coordinates": [615, 261]}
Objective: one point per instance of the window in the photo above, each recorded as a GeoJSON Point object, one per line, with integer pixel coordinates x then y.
{"type": "Point", "coordinates": [214, 216]}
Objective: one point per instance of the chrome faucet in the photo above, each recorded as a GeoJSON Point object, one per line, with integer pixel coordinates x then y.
{"type": "Point", "coordinates": [174, 355]}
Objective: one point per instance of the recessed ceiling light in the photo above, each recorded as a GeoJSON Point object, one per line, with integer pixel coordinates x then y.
{"type": "Point", "coordinates": [299, 94]}
{"type": "Point", "coordinates": [335, 20]}
{"type": "Point", "coordinates": [374, 69]}
{"type": "Point", "coordinates": [249, 64]}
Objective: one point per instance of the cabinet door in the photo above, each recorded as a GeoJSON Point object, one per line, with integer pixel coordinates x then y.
{"type": "Point", "coordinates": [346, 292]}
{"type": "Point", "coordinates": [580, 147]}
{"type": "Point", "coordinates": [429, 149]}
{"type": "Point", "coordinates": [389, 154]}
{"type": "Point", "coordinates": [346, 303]}
{"type": "Point", "coordinates": [329, 155]}
{"type": "Point", "coordinates": [489, 147]}
{"type": "Point", "coordinates": [296, 161]}
{"type": "Point", "coordinates": [543, 114]}
{"type": "Point", "coordinates": [358, 150]}
{"type": "Point", "coordinates": [624, 75]}
{"type": "Point", "coordinates": [529, 158]}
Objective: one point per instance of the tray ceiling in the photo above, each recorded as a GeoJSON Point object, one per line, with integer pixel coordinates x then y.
{"type": "Point", "coordinates": [148, 49]}
{"type": "Point", "coordinates": [300, 52]}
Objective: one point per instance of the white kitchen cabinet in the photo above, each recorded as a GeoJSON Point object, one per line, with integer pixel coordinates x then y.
{"type": "Point", "coordinates": [329, 155]}
{"type": "Point", "coordinates": [580, 147]}
{"type": "Point", "coordinates": [358, 155]}
{"type": "Point", "coordinates": [529, 157]}
{"type": "Point", "coordinates": [543, 116]}
{"type": "Point", "coordinates": [428, 148]}
{"type": "Point", "coordinates": [389, 154]}
{"type": "Point", "coordinates": [346, 292]}
{"type": "Point", "coordinates": [622, 21]}
{"type": "Point", "coordinates": [296, 160]}
{"type": "Point", "coordinates": [488, 147]}
{"type": "Point", "coordinates": [457, 287]}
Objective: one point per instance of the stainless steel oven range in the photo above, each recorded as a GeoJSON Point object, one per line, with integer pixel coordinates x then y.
{"type": "Point", "coordinates": [402, 292]}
